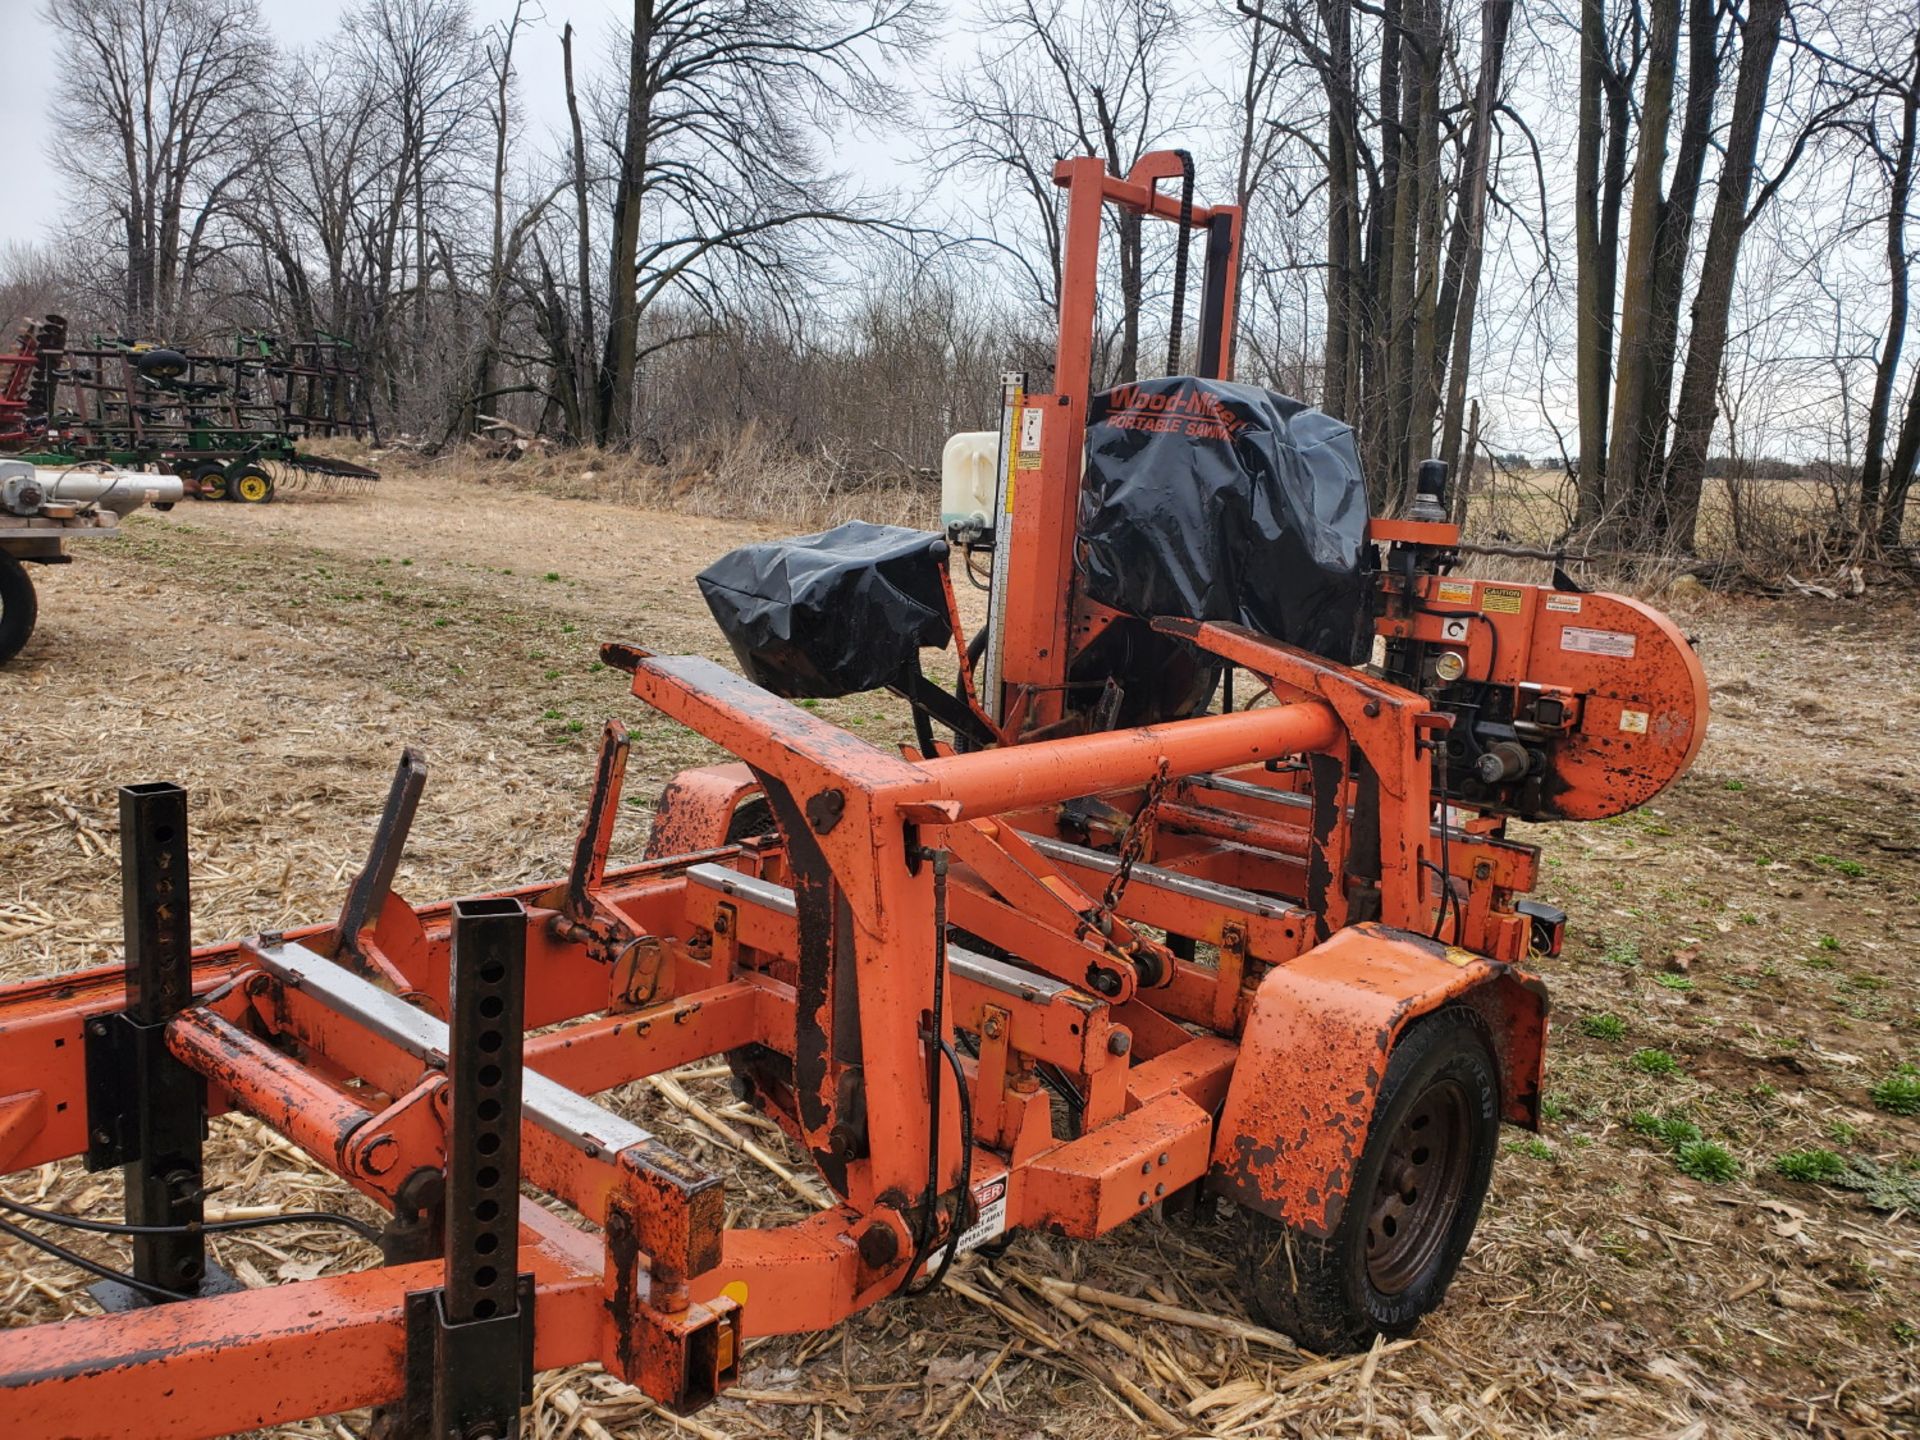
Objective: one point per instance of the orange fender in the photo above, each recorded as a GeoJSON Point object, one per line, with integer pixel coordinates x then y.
{"type": "Point", "coordinates": [696, 808]}
{"type": "Point", "coordinates": [1314, 1052]}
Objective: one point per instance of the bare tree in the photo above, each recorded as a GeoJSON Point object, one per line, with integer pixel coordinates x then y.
{"type": "Point", "coordinates": [716, 147]}
{"type": "Point", "coordinates": [1408, 187]}
{"type": "Point", "coordinates": [1606, 81]}
{"type": "Point", "coordinates": [1696, 409]}
{"type": "Point", "coordinates": [1054, 79]}
{"type": "Point", "coordinates": [160, 99]}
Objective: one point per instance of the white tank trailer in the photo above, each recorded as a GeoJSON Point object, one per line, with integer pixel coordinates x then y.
{"type": "Point", "coordinates": [41, 510]}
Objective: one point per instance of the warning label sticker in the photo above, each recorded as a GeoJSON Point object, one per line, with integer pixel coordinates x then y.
{"type": "Point", "coordinates": [1566, 604]}
{"type": "Point", "coordinates": [990, 1200]}
{"type": "Point", "coordinates": [1027, 454]}
{"type": "Point", "coordinates": [1634, 722]}
{"type": "Point", "coordinates": [1456, 592]}
{"type": "Point", "coordinates": [1502, 600]}
{"type": "Point", "coordinates": [1597, 642]}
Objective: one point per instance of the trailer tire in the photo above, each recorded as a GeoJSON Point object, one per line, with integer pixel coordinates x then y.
{"type": "Point", "coordinates": [19, 607]}
{"type": "Point", "coordinates": [210, 482]}
{"type": "Point", "coordinates": [251, 483]}
{"type": "Point", "coordinates": [1412, 1206]}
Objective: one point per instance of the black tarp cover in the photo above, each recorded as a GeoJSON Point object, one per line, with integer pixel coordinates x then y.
{"type": "Point", "coordinates": [1217, 501]}
{"type": "Point", "coordinates": [832, 613]}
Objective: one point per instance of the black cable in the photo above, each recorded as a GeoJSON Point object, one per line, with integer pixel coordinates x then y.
{"type": "Point", "coordinates": [973, 575]}
{"type": "Point", "coordinates": [963, 1186]}
{"type": "Point", "coordinates": [936, 1043]}
{"type": "Point", "coordinates": [92, 1267]}
{"type": "Point", "coordinates": [205, 1227]}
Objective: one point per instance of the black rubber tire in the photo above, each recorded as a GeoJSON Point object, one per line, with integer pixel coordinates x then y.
{"type": "Point", "coordinates": [1322, 1291]}
{"type": "Point", "coordinates": [210, 482]}
{"type": "Point", "coordinates": [161, 364]}
{"type": "Point", "coordinates": [752, 820]}
{"type": "Point", "coordinates": [250, 483]}
{"type": "Point", "coordinates": [19, 607]}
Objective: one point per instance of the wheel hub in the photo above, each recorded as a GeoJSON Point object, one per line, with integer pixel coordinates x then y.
{"type": "Point", "coordinates": [1419, 1188]}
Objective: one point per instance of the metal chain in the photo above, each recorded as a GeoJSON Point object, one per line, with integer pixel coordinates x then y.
{"type": "Point", "coordinates": [1133, 844]}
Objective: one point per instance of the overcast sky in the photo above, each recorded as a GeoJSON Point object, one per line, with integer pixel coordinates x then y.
{"type": "Point", "coordinates": [29, 167]}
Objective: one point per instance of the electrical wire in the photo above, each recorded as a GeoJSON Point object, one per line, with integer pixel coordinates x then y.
{"type": "Point", "coordinates": [92, 1267]}
{"type": "Point", "coordinates": [963, 1204]}
{"type": "Point", "coordinates": [938, 1048]}
{"type": "Point", "coordinates": [205, 1227]}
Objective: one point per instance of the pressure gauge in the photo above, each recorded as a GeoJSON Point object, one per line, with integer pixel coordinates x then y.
{"type": "Point", "coordinates": [1450, 666]}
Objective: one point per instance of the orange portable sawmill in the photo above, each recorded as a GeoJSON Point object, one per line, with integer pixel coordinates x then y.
{"type": "Point", "coordinates": [1117, 944]}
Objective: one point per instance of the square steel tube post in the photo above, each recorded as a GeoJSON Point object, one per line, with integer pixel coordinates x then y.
{"type": "Point", "coordinates": [161, 1136]}
{"type": "Point", "coordinates": [478, 1328]}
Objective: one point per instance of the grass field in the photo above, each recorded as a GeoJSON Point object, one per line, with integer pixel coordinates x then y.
{"type": "Point", "coordinates": [1716, 1233]}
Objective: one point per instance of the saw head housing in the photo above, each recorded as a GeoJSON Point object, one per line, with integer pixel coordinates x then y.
{"type": "Point", "coordinates": [1566, 704]}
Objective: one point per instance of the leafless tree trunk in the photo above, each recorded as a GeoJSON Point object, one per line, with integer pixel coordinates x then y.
{"type": "Point", "coordinates": [1343, 213]}
{"type": "Point", "coordinates": [580, 353]}
{"type": "Point", "coordinates": [1599, 186]}
{"type": "Point", "coordinates": [1707, 341]}
{"type": "Point", "coordinates": [1468, 242]}
{"type": "Point", "coordinates": [1634, 403]}
{"type": "Point", "coordinates": [1899, 198]}
{"type": "Point", "coordinates": [1906, 455]}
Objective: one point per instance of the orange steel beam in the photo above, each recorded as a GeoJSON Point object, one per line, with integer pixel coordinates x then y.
{"type": "Point", "coordinates": [260, 1358]}
{"type": "Point", "coordinates": [1045, 772]}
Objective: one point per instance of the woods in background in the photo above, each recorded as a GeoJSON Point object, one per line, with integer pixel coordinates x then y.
{"type": "Point", "coordinates": [1667, 237]}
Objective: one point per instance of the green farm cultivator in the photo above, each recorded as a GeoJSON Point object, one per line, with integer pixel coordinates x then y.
{"type": "Point", "coordinates": [230, 425]}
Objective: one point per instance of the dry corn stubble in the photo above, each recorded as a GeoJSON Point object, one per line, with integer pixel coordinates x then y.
{"type": "Point", "coordinates": [274, 659]}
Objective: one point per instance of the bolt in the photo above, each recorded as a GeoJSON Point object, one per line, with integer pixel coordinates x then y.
{"type": "Point", "coordinates": [1159, 1190]}
{"type": "Point", "coordinates": [1163, 1157]}
{"type": "Point", "coordinates": [994, 1027]}
{"type": "Point", "coordinates": [1145, 1199]}
{"type": "Point", "coordinates": [879, 1245]}
{"type": "Point", "coordinates": [97, 1029]}
{"type": "Point", "coordinates": [722, 923]}
{"type": "Point", "coordinates": [1146, 1167]}
{"type": "Point", "coordinates": [1371, 709]}
{"type": "Point", "coordinates": [1119, 1043]}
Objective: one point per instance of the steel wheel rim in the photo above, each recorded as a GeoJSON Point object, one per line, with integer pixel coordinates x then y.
{"type": "Point", "coordinates": [252, 487]}
{"type": "Point", "coordinates": [1418, 1192]}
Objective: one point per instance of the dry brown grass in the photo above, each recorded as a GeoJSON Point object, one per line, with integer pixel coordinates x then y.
{"type": "Point", "coordinates": [1771, 535]}
{"type": "Point", "coordinates": [746, 475]}
{"type": "Point", "coordinates": [274, 660]}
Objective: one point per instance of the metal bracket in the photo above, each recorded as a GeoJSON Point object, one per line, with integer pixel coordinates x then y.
{"type": "Point", "coordinates": [368, 893]}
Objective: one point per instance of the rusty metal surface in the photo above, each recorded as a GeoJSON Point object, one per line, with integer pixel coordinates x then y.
{"type": "Point", "coordinates": [1312, 1057]}
{"type": "Point", "coordinates": [1289, 855]}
